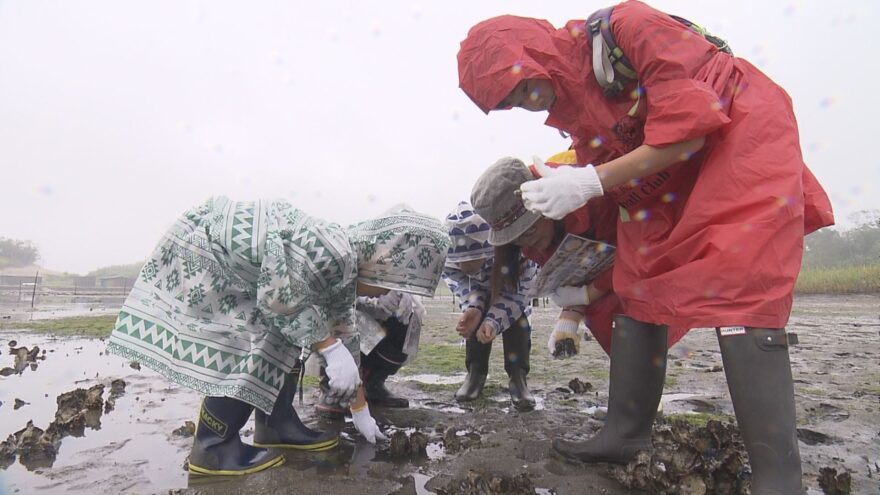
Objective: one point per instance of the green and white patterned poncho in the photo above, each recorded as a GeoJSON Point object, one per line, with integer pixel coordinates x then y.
{"type": "Point", "coordinates": [235, 291]}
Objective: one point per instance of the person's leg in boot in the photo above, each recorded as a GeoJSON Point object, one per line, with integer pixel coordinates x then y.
{"type": "Point", "coordinates": [638, 368]}
{"type": "Point", "coordinates": [759, 377]}
{"type": "Point", "coordinates": [477, 363]}
{"type": "Point", "coordinates": [328, 406]}
{"type": "Point", "coordinates": [383, 361]}
{"type": "Point", "coordinates": [217, 447]}
{"type": "Point", "coordinates": [283, 428]}
{"type": "Point", "coordinates": [517, 345]}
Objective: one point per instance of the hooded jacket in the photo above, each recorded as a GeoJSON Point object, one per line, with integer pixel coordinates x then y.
{"type": "Point", "coordinates": [715, 240]}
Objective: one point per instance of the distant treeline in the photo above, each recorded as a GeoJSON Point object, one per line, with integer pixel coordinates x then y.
{"type": "Point", "coordinates": [843, 261]}
{"type": "Point", "coordinates": [15, 253]}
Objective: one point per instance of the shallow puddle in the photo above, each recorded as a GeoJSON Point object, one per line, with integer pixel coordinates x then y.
{"type": "Point", "coordinates": [147, 412]}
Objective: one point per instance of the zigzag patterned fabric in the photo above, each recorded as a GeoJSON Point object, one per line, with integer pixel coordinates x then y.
{"type": "Point", "coordinates": [232, 294]}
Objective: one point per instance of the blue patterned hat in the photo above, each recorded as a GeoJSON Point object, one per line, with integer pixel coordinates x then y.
{"type": "Point", "coordinates": [469, 234]}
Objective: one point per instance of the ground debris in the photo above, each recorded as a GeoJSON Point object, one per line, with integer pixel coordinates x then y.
{"type": "Point", "coordinates": [690, 460]}
{"type": "Point", "coordinates": [479, 483]}
{"type": "Point", "coordinates": [564, 348]}
{"type": "Point", "coordinates": [36, 447]}
{"type": "Point", "coordinates": [23, 357]}
{"type": "Point", "coordinates": [457, 439]}
{"type": "Point", "coordinates": [579, 387]}
{"type": "Point", "coordinates": [135, 365]}
{"type": "Point", "coordinates": [835, 484]}
{"type": "Point", "coordinates": [187, 430]}
{"type": "Point", "coordinates": [117, 389]}
{"type": "Point", "coordinates": [19, 404]}
{"type": "Point", "coordinates": [403, 444]}
{"type": "Point", "coordinates": [78, 409]}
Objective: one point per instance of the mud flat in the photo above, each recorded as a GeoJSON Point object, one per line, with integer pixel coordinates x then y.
{"type": "Point", "coordinates": [140, 443]}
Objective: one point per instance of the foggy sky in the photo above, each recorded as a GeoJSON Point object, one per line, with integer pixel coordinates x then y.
{"type": "Point", "coordinates": [116, 116]}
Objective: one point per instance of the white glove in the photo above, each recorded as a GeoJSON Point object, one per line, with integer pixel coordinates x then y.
{"type": "Point", "coordinates": [560, 190]}
{"type": "Point", "coordinates": [366, 424]}
{"type": "Point", "coordinates": [567, 296]}
{"type": "Point", "coordinates": [565, 329]}
{"type": "Point", "coordinates": [342, 371]}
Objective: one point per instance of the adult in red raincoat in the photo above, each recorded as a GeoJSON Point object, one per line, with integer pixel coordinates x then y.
{"type": "Point", "coordinates": [702, 156]}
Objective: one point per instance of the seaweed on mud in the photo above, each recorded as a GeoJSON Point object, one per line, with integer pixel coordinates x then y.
{"type": "Point", "coordinates": [480, 483]}
{"type": "Point", "coordinates": [689, 459]}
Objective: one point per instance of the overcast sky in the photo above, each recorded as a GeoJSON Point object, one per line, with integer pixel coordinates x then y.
{"type": "Point", "coordinates": [116, 116]}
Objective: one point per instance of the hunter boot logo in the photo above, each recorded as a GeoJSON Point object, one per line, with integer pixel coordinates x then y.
{"type": "Point", "coordinates": [213, 423]}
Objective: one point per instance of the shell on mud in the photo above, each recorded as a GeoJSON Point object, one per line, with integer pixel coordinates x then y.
{"type": "Point", "coordinates": [689, 459]}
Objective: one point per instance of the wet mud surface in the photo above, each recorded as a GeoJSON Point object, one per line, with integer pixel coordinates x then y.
{"type": "Point", "coordinates": [77, 420]}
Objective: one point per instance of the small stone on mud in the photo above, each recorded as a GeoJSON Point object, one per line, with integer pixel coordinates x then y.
{"type": "Point", "coordinates": [19, 404]}
{"type": "Point", "coordinates": [835, 484]}
{"type": "Point", "coordinates": [187, 430]}
{"type": "Point", "coordinates": [812, 437]}
{"type": "Point", "coordinates": [715, 369]}
{"type": "Point", "coordinates": [13, 343]}
{"type": "Point", "coordinates": [579, 387]}
{"type": "Point", "coordinates": [7, 371]}
{"type": "Point", "coordinates": [135, 365]}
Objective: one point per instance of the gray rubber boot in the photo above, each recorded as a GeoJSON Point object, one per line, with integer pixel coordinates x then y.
{"type": "Point", "coordinates": [758, 374]}
{"type": "Point", "coordinates": [477, 363]}
{"type": "Point", "coordinates": [517, 345]}
{"type": "Point", "coordinates": [638, 368]}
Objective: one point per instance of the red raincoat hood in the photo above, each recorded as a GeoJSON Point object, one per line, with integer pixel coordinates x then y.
{"type": "Point", "coordinates": [500, 52]}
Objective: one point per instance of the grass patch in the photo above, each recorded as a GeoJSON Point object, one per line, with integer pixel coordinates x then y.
{"type": "Point", "coordinates": [670, 381]}
{"type": "Point", "coordinates": [442, 359]}
{"type": "Point", "coordinates": [697, 419]}
{"type": "Point", "coordinates": [862, 279]}
{"type": "Point", "coordinates": [87, 326]}
{"type": "Point", "coordinates": [437, 387]}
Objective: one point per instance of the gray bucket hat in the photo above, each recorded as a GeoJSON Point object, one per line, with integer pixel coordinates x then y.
{"type": "Point", "coordinates": [495, 198]}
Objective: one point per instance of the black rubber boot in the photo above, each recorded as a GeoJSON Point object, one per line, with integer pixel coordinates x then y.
{"type": "Point", "coordinates": [638, 368]}
{"type": "Point", "coordinates": [758, 374]}
{"type": "Point", "coordinates": [517, 345]}
{"type": "Point", "coordinates": [328, 406]}
{"type": "Point", "coordinates": [375, 369]}
{"type": "Point", "coordinates": [217, 447]}
{"type": "Point", "coordinates": [477, 363]}
{"type": "Point", "coordinates": [283, 428]}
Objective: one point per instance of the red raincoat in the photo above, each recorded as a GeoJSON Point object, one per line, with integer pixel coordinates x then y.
{"type": "Point", "coordinates": [596, 220]}
{"type": "Point", "coordinates": [713, 241]}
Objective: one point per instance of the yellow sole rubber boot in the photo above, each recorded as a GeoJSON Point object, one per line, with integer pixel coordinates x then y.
{"type": "Point", "coordinates": [312, 447]}
{"type": "Point", "coordinates": [275, 461]}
